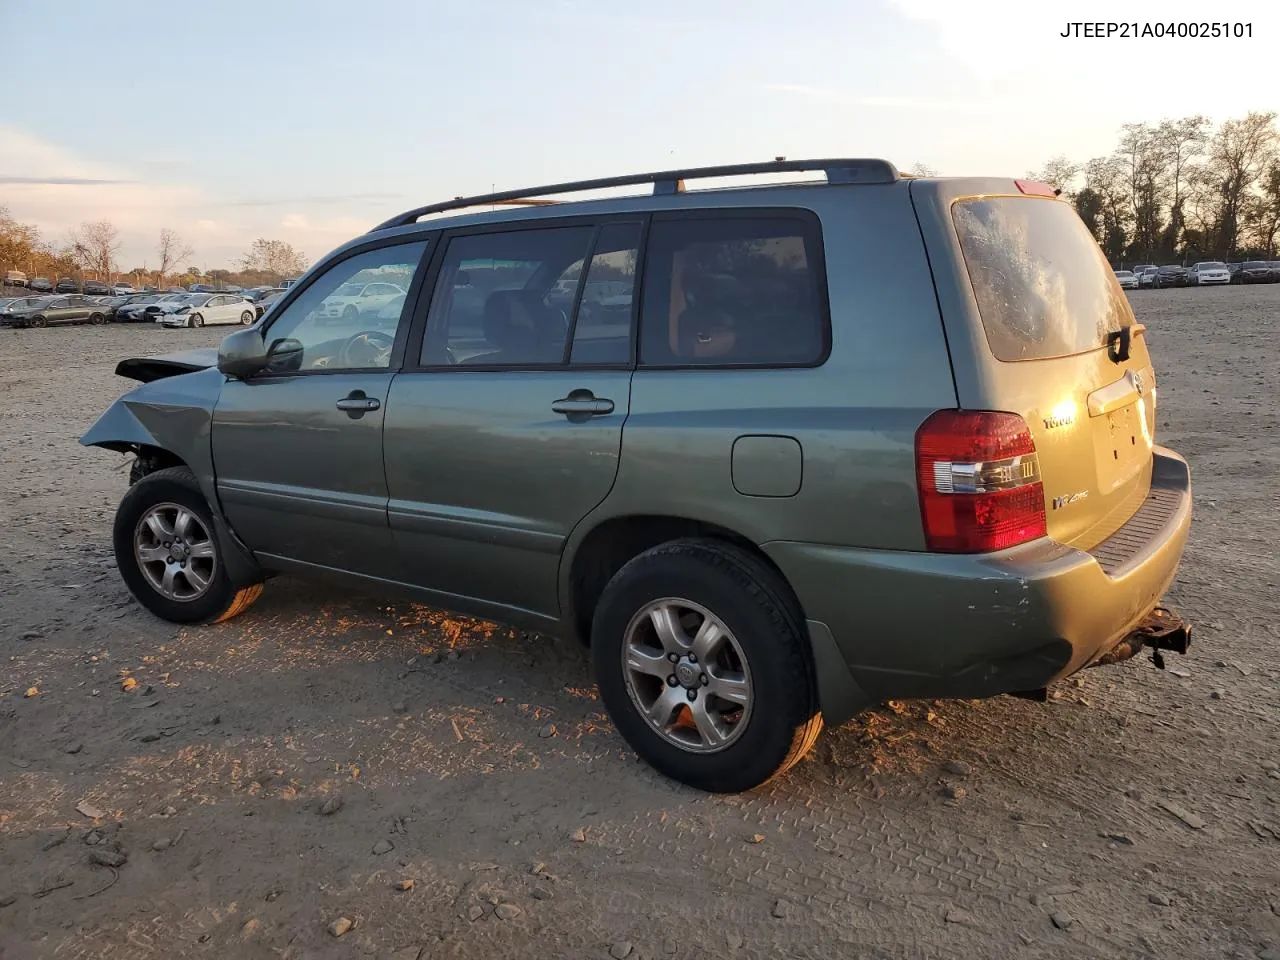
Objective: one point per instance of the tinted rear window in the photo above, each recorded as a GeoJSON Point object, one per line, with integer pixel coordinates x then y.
{"type": "Point", "coordinates": [1043, 287]}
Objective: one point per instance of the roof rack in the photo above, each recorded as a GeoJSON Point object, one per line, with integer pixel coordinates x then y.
{"type": "Point", "coordinates": [841, 170]}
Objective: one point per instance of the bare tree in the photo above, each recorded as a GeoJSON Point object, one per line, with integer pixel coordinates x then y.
{"type": "Point", "coordinates": [1183, 141]}
{"type": "Point", "coordinates": [919, 169]}
{"type": "Point", "coordinates": [1267, 215]}
{"type": "Point", "coordinates": [172, 250]}
{"type": "Point", "coordinates": [1058, 172]}
{"type": "Point", "coordinates": [1104, 177]}
{"type": "Point", "coordinates": [274, 257]}
{"type": "Point", "coordinates": [94, 246]}
{"type": "Point", "coordinates": [1143, 154]}
{"type": "Point", "coordinates": [1238, 154]}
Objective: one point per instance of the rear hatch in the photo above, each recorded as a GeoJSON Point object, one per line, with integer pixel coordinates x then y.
{"type": "Point", "coordinates": [1038, 326]}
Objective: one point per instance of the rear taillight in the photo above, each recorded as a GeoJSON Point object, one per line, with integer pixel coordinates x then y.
{"type": "Point", "coordinates": [979, 481]}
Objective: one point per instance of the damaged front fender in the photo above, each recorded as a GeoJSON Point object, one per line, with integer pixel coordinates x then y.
{"type": "Point", "coordinates": [173, 413]}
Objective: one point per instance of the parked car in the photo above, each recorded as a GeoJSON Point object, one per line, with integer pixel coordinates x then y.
{"type": "Point", "coordinates": [136, 309]}
{"type": "Point", "coordinates": [76, 308]}
{"type": "Point", "coordinates": [352, 300]}
{"type": "Point", "coordinates": [1275, 271]}
{"type": "Point", "coordinates": [169, 303]}
{"type": "Point", "coordinates": [40, 285]}
{"type": "Point", "coordinates": [1127, 280]}
{"type": "Point", "coordinates": [1140, 268]}
{"type": "Point", "coordinates": [852, 522]}
{"type": "Point", "coordinates": [15, 278]}
{"type": "Point", "coordinates": [264, 303]}
{"type": "Point", "coordinates": [1256, 271]}
{"type": "Point", "coordinates": [67, 285]}
{"type": "Point", "coordinates": [1208, 272]}
{"type": "Point", "coordinates": [17, 306]}
{"type": "Point", "coordinates": [1170, 275]}
{"type": "Point", "coordinates": [1234, 270]}
{"type": "Point", "coordinates": [1147, 277]}
{"type": "Point", "coordinates": [96, 288]}
{"type": "Point", "coordinates": [120, 288]}
{"type": "Point", "coordinates": [112, 304]}
{"type": "Point", "coordinates": [286, 284]}
{"type": "Point", "coordinates": [204, 308]}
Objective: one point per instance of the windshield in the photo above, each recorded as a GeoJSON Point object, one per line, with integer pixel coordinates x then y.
{"type": "Point", "coordinates": [1212, 265]}
{"type": "Point", "coordinates": [349, 290]}
{"type": "Point", "coordinates": [1042, 285]}
{"type": "Point", "coordinates": [1256, 265]}
{"type": "Point", "coordinates": [1123, 273]}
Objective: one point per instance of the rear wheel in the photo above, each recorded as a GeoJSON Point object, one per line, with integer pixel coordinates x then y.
{"type": "Point", "coordinates": [167, 551]}
{"type": "Point", "coordinates": [97, 319]}
{"type": "Point", "coordinates": [247, 317]}
{"type": "Point", "coordinates": [701, 659]}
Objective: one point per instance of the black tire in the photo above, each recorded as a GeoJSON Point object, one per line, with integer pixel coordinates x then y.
{"type": "Point", "coordinates": [97, 319]}
{"type": "Point", "coordinates": [350, 313]}
{"type": "Point", "coordinates": [754, 603]}
{"type": "Point", "coordinates": [175, 485]}
{"type": "Point", "coordinates": [37, 322]}
{"type": "Point", "coordinates": [195, 320]}
{"type": "Point", "coordinates": [247, 317]}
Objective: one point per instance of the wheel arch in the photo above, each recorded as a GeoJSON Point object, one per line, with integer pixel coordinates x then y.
{"type": "Point", "coordinates": [595, 554]}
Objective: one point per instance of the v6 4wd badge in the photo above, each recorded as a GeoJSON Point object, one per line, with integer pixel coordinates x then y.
{"type": "Point", "coordinates": [1067, 499]}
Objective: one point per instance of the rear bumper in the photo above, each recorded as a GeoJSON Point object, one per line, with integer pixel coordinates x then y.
{"type": "Point", "coordinates": [911, 624]}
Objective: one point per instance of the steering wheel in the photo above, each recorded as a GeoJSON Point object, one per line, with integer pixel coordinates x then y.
{"type": "Point", "coordinates": [368, 348]}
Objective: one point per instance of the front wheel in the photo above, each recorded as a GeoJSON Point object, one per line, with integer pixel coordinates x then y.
{"type": "Point", "coordinates": [37, 322]}
{"type": "Point", "coordinates": [701, 658]}
{"type": "Point", "coordinates": [167, 551]}
{"type": "Point", "coordinates": [195, 320]}
{"type": "Point", "coordinates": [247, 317]}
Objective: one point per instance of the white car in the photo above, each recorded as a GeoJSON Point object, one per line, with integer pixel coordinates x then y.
{"type": "Point", "coordinates": [1128, 279]}
{"type": "Point", "coordinates": [351, 300]}
{"type": "Point", "coordinates": [123, 289]}
{"type": "Point", "coordinates": [202, 308]}
{"type": "Point", "coordinates": [1210, 271]}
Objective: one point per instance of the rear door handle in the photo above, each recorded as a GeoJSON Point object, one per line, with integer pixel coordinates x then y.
{"type": "Point", "coordinates": [582, 403]}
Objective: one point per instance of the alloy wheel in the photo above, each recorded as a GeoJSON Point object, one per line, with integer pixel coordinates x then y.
{"type": "Point", "coordinates": [175, 552]}
{"type": "Point", "coordinates": [687, 675]}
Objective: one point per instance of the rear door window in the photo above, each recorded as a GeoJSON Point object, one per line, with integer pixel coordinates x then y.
{"type": "Point", "coordinates": [1042, 285]}
{"type": "Point", "coordinates": [733, 291]}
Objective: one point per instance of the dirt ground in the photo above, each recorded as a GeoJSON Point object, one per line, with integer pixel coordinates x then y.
{"type": "Point", "coordinates": [1135, 814]}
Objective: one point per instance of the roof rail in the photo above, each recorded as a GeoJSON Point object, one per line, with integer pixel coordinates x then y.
{"type": "Point", "coordinates": [841, 170]}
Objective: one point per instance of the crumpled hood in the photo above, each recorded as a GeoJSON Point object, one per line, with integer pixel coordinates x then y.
{"type": "Point", "coordinates": [147, 369]}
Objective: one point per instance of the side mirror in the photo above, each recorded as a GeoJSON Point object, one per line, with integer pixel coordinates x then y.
{"type": "Point", "coordinates": [243, 354]}
{"type": "Point", "coordinates": [284, 355]}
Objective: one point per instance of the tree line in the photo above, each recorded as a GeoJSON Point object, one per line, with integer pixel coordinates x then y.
{"type": "Point", "coordinates": [1180, 190]}
{"type": "Point", "coordinates": [91, 252]}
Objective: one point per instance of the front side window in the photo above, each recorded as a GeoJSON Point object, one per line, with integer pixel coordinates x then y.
{"type": "Point", "coordinates": [328, 330]}
{"type": "Point", "coordinates": [732, 291]}
{"type": "Point", "coordinates": [495, 301]}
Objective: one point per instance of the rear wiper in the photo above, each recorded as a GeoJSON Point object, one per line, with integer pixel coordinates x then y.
{"type": "Point", "coordinates": [1118, 345]}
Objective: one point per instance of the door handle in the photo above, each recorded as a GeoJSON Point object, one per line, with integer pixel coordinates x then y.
{"type": "Point", "coordinates": [577, 405]}
{"type": "Point", "coordinates": [356, 404]}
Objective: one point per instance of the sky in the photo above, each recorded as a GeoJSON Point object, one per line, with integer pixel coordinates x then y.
{"type": "Point", "coordinates": [312, 121]}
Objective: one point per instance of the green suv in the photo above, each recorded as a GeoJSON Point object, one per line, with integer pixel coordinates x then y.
{"type": "Point", "coordinates": [776, 451]}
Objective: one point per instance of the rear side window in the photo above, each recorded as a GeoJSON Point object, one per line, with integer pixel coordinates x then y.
{"type": "Point", "coordinates": [1043, 287]}
{"type": "Point", "coordinates": [733, 290]}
